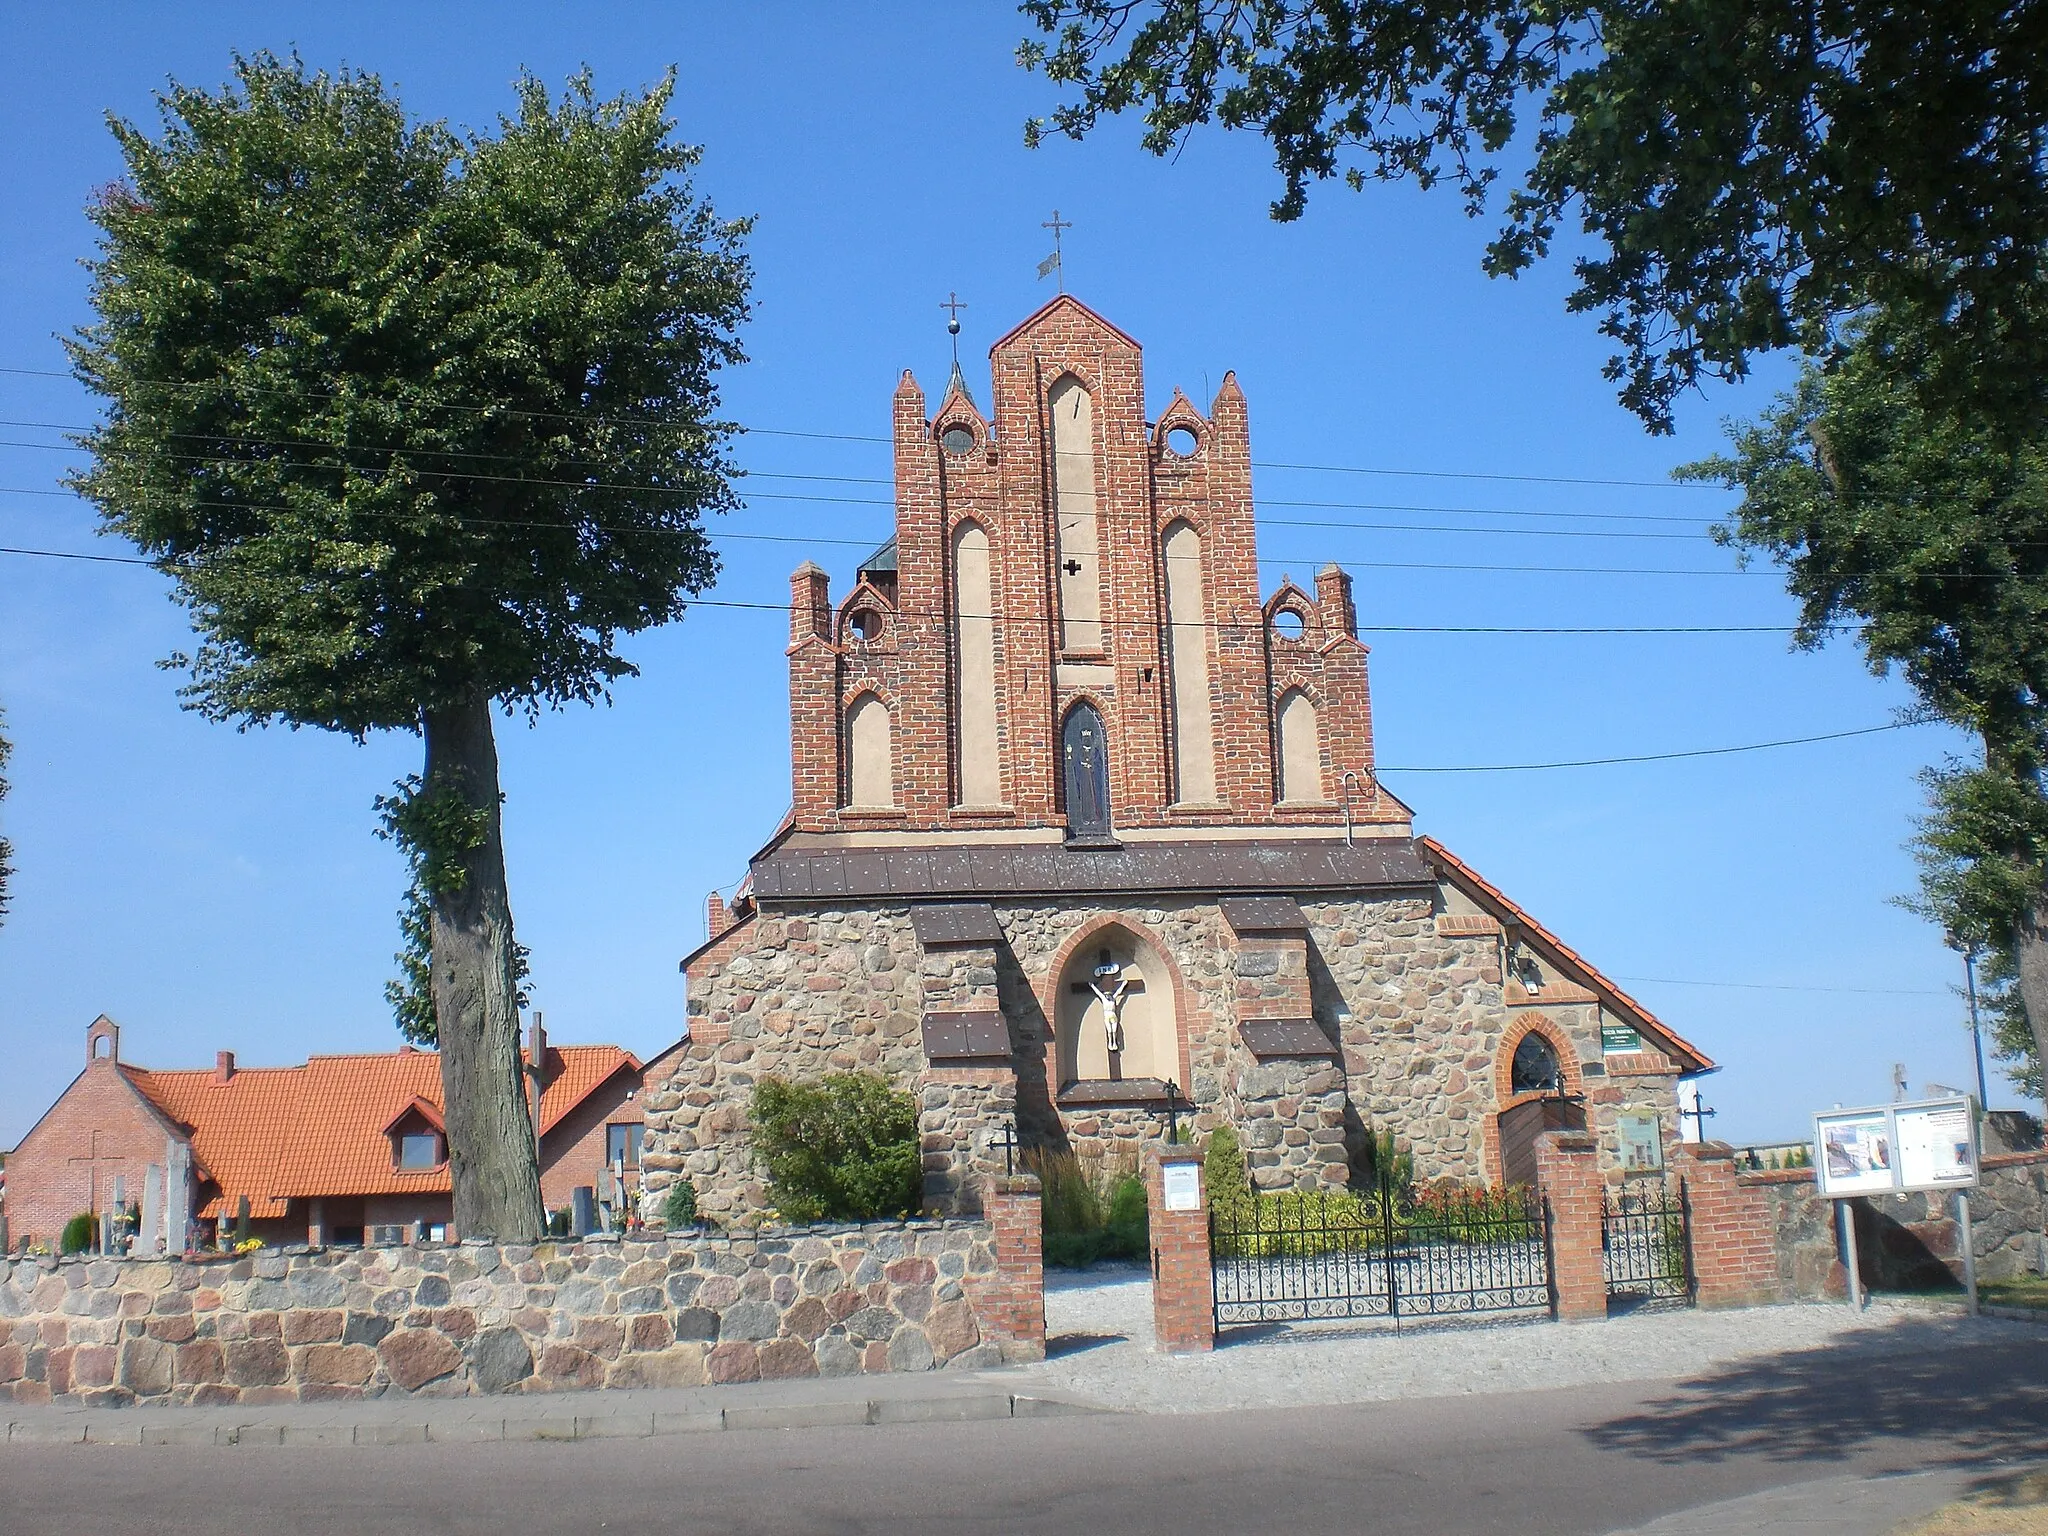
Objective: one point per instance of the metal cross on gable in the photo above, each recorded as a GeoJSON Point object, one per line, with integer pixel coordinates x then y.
{"type": "Point", "coordinates": [1056, 262]}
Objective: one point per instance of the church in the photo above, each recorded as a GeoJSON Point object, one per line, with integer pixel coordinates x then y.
{"type": "Point", "coordinates": [1086, 841]}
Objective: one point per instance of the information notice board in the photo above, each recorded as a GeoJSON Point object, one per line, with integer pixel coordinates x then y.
{"type": "Point", "coordinates": [1892, 1148]}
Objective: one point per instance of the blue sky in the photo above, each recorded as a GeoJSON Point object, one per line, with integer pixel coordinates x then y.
{"type": "Point", "coordinates": [220, 890]}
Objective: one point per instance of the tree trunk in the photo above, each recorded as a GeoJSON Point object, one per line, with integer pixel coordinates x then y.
{"type": "Point", "coordinates": [2030, 949]}
{"type": "Point", "coordinates": [491, 1150]}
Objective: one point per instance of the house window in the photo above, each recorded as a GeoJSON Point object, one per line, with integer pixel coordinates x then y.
{"type": "Point", "coordinates": [622, 1145]}
{"type": "Point", "coordinates": [419, 1149]}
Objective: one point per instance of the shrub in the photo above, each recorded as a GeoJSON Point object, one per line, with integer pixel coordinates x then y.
{"type": "Point", "coordinates": [679, 1208]}
{"type": "Point", "coordinates": [1092, 1209]}
{"type": "Point", "coordinates": [842, 1148]}
{"type": "Point", "coordinates": [78, 1233]}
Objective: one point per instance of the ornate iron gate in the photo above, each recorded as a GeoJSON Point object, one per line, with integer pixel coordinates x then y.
{"type": "Point", "coordinates": [1646, 1242]}
{"type": "Point", "coordinates": [1288, 1257]}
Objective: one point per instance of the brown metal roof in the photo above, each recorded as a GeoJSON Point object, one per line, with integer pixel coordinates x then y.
{"type": "Point", "coordinates": [1267, 1038]}
{"type": "Point", "coordinates": [955, 922]}
{"type": "Point", "coordinates": [811, 877]}
{"type": "Point", "coordinates": [1263, 914]}
{"type": "Point", "coordinates": [964, 1035]}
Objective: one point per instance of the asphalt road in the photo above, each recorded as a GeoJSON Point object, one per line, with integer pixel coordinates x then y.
{"type": "Point", "coordinates": [1578, 1460]}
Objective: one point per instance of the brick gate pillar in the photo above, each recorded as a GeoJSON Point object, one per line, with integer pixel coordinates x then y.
{"type": "Point", "coordinates": [1568, 1177]}
{"type": "Point", "coordinates": [1010, 1304]}
{"type": "Point", "coordinates": [1183, 1298]}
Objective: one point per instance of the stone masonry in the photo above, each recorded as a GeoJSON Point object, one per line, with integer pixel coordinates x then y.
{"type": "Point", "coordinates": [668, 1311]}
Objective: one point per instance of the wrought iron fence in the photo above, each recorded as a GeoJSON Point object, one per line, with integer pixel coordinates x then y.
{"type": "Point", "coordinates": [1341, 1254]}
{"type": "Point", "coordinates": [1646, 1242]}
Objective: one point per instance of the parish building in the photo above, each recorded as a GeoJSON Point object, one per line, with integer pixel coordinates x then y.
{"type": "Point", "coordinates": [339, 1149]}
{"type": "Point", "coordinates": [1086, 839]}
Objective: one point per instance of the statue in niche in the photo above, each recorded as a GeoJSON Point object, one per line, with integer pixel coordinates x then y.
{"type": "Point", "coordinates": [1110, 983]}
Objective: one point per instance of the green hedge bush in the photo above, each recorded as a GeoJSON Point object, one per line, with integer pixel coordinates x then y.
{"type": "Point", "coordinates": [841, 1148]}
{"type": "Point", "coordinates": [78, 1233]}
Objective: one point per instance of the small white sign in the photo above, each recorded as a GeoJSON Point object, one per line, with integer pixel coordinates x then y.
{"type": "Point", "coordinates": [1935, 1146]}
{"type": "Point", "coordinates": [1181, 1184]}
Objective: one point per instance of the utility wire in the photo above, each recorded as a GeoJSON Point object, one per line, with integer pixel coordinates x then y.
{"type": "Point", "coordinates": [1777, 986]}
{"type": "Point", "coordinates": [1659, 757]}
{"type": "Point", "coordinates": [854, 437]}
{"type": "Point", "coordinates": [1371, 629]}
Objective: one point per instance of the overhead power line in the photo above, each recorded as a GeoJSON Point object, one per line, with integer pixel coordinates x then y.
{"type": "Point", "coordinates": [782, 609]}
{"type": "Point", "coordinates": [1658, 757]}
{"type": "Point", "coordinates": [858, 437]}
{"type": "Point", "coordinates": [1777, 986]}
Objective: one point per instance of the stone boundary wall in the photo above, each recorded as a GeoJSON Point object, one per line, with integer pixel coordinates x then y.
{"type": "Point", "coordinates": [476, 1318]}
{"type": "Point", "coordinates": [1772, 1236]}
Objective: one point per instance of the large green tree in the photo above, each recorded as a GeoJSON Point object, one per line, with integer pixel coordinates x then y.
{"type": "Point", "coordinates": [1748, 174]}
{"type": "Point", "coordinates": [420, 423]}
{"type": "Point", "coordinates": [1926, 533]}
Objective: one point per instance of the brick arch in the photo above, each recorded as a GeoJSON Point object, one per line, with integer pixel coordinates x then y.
{"type": "Point", "coordinates": [1571, 1080]}
{"type": "Point", "coordinates": [849, 710]}
{"type": "Point", "coordinates": [1504, 1059]}
{"type": "Point", "coordinates": [1181, 413]}
{"type": "Point", "coordinates": [1186, 1011]}
{"type": "Point", "coordinates": [864, 596]}
{"type": "Point", "coordinates": [863, 685]}
{"type": "Point", "coordinates": [1079, 373]}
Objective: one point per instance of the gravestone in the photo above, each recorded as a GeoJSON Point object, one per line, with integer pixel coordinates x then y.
{"type": "Point", "coordinates": [177, 1197]}
{"type": "Point", "coordinates": [582, 1211]}
{"type": "Point", "coordinates": [149, 1237]}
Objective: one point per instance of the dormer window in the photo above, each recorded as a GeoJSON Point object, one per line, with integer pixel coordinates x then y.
{"type": "Point", "coordinates": [419, 1141]}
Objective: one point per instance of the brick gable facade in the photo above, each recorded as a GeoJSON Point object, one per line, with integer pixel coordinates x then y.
{"type": "Point", "coordinates": [1086, 837]}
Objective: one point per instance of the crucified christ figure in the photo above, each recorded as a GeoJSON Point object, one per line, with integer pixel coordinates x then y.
{"type": "Point", "coordinates": [1110, 983]}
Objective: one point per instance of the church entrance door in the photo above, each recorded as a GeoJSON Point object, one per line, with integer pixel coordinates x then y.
{"type": "Point", "coordinates": [1086, 750]}
{"type": "Point", "coordinates": [1522, 1124]}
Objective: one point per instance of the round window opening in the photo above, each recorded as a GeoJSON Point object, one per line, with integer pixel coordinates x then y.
{"type": "Point", "coordinates": [1182, 441]}
{"type": "Point", "coordinates": [1289, 625]}
{"type": "Point", "coordinates": [1535, 1067]}
{"type": "Point", "coordinates": [957, 439]}
{"type": "Point", "coordinates": [866, 624]}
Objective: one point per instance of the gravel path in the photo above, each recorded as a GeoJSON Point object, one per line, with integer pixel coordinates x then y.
{"type": "Point", "coordinates": [1099, 1325]}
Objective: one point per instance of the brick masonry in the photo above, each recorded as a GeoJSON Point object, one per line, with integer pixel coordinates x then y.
{"type": "Point", "coordinates": [668, 1311]}
{"type": "Point", "coordinates": [1183, 1301]}
{"type": "Point", "coordinates": [1771, 1236]}
{"type": "Point", "coordinates": [1568, 1174]}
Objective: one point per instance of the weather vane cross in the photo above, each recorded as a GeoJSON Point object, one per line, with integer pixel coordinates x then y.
{"type": "Point", "coordinates": [952, 304]}
{"type": "Point", "coordinates": [1055, 263]}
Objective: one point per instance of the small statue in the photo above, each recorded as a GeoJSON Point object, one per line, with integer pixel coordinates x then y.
{"type": "Point", "coordinates": [1107, 971]}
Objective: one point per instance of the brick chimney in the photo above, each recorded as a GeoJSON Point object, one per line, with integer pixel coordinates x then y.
{"type": "Point", "coordinates": [810, 603]}
{"type": "Point", "coordinates": [223, 1066]}
{"type": "Point", "coordinates": [1333, 596]}
{"type": "Point", "coordinates": [715, 919]}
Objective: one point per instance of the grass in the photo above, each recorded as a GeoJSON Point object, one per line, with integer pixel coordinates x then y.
{"type": "Point", "coordinates": [1094, 1208]}
{"type": "Point", "coordinates": [2024, 1291]}
{"type": "Point", "coordinates": [2016, 1505]}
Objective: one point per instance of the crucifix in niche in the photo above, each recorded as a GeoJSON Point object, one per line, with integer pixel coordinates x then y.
{"type": "Point", "coordinates": [1109, 985]}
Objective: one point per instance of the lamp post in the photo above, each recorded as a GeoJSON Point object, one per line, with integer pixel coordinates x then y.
{"type": "Point", "coordinates": [1969, 952]}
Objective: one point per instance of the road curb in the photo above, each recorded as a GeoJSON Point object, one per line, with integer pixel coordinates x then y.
{"type": "Point", "coordinates": [132, 1427]}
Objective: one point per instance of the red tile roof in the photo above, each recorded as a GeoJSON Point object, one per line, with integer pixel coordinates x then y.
{"type": "Point", "coordinates": [273, 1133]}
{"type": "Point", "coordinates": [1689, 1057]}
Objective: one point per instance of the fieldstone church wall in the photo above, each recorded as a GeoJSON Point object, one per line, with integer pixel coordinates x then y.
{"type": "Point", "coordinates": [482, 1318]}
{"type": "Point", "coordinates": [1414, 1020]}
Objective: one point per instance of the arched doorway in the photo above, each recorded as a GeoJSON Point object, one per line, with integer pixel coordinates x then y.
{"type": "Point", "coordinates": [1538, 1100]}
{"type": "Point", "coordinates": [1085, 750]}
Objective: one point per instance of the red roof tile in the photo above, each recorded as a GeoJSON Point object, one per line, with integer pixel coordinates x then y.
{"type": "Point", "coordinates": [272, 1133]}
